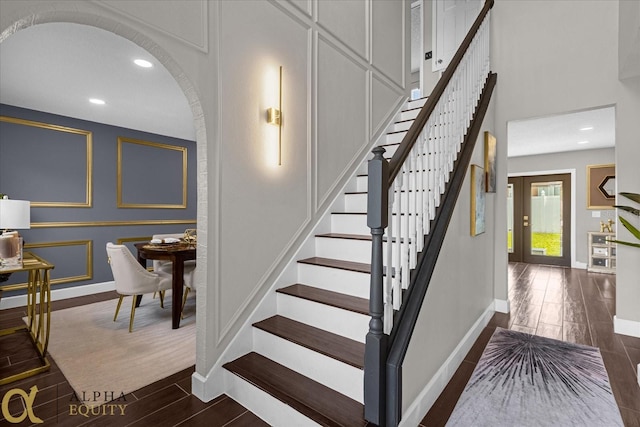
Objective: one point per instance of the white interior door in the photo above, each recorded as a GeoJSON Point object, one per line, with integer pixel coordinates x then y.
{"type": "Point", "coordinates": [451, 22]}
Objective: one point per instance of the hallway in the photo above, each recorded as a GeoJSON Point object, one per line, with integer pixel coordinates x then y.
{"type": "Point", "coordinates": [566, 304]}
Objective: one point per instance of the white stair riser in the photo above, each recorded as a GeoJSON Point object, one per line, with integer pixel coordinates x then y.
{"type": "Point", "coordinates": [339, 376]}
{"type": "Point", "coordinates": [415, 103]}
{"type": "Point", "coordinates": [352, 224]}
{"type": "Point", "coordinates": [273, 411]}
{"type": "Point", "coordinates": [408, 115]}
{"type": "Point", "coordinates": [346, 249]}
{"type": "Point", "coordinates": [349, 224]}
{"type": "Point", "coordinates": [335, 279]}
{"type": "Point", "coordinates": [361, 183]}
{"type": "Point", "coordinates": [335, 320]}
{"type": "Point", "coordinates": [398, 126]}
{"type": "Point", "coordinates": [358, 202]}
{"type": "Point", "coordinates": [395, 137]}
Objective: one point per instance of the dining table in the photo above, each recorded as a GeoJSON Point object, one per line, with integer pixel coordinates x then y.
{"type": "Point", "coordinates": [177, 254]}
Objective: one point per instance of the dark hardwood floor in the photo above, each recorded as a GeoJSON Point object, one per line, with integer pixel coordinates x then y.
{"type": "Point", "coordinates": [560, 303]}
{"type": "Point", "coordinates": [168, 402]}
{"type": "Point", "coordinates": [566, 304]}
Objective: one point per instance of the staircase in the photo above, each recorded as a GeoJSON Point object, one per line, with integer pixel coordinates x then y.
{"type": "Point", "coordinates": [307, 362]}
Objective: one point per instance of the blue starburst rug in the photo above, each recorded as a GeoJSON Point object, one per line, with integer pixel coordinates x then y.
{"type": "Point", "coordinates": [527, 380]}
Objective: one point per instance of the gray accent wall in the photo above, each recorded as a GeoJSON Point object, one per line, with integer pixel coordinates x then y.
{"type": "Point", "coordinates": [54, 167]}
{"type": "Point", "coordinates": [578, 160]}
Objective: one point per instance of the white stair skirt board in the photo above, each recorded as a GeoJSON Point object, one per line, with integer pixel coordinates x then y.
{"type": "Point", "coordinates": [425, 400]}
{"type": "Point", "coordinates": [335, 279]}
{"type": "Point", "coordinates": [339, 376]}
{"type": "Point", "coordinates": [626, 327]}
{"type": "Point", "coordinates": [60, 294]}
{"type": "Point", "coordinates": [335, 320]}
{"type": "Point", "coordinates": [271, 410]}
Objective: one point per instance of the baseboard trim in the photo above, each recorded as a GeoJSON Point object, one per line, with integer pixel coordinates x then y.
{"type": "Point", "coordinates": [501, 306]}
{"type": "Point", "coordinates": [427, 397]}
{"type": "Point", "coordinates": [626, 327]}
{"type": "Point", "coordinates": [60, 294]}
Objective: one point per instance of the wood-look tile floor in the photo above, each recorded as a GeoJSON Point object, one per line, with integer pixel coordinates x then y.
{"type": "Point", "coordinates": [566, 304]}
{"type": "Point", "coordinates": [168, 402]}
{"type": "Point", "coordinates": [560, 303]}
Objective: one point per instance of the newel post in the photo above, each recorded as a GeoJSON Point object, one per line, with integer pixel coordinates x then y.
{"type": "Point", "coordinates": [375, 355]}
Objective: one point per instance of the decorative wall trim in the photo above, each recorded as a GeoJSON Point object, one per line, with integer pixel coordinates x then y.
{"type": "Point", "coordinates": [88, 261]}
{"type": "Point", "coordinates": [122, 240]}
{"type": "Point", "coordinates": [111, 223]}
{"type": "Point", "coordinates": [427, 397]}
{"type": "Point", "coordinates": [182, 150]}
{"type": "Point", "coordinates": [202, 45]}
{"type": "Point", "coordinates": [89, 155]}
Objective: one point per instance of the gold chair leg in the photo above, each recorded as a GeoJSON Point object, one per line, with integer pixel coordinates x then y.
{"type": "Point", "coordinates": [133, 313]}
{"type": "Point", "coordinates": [184, 301]}
{"type": "Point", "coordinates": [118, 307]}
{"type": "Point", "coordinates": [161, 299]}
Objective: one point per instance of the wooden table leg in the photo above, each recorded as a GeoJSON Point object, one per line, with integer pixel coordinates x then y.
{"type": "Point", "coordinates": [176, 296]}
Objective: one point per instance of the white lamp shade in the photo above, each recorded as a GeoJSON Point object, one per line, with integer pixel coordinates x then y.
{"type": "Point", "coordinates": [15, 214]}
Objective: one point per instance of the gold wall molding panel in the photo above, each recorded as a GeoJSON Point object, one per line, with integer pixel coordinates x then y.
{"type": "Point", "coordinates": [89, 155]}
{"type": "Point", "coordinates": [111, 223]}
{"type": "Point", "coordinates": [183, 150]}
{"type": "Point", "coordinates": [88, 244]}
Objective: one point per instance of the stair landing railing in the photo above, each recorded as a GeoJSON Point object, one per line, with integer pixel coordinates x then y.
{"type": "Point", "coordinates": [404, 195]}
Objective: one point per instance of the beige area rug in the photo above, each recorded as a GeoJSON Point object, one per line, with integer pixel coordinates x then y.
{"type": "Point", "coordinates": [97, 354]}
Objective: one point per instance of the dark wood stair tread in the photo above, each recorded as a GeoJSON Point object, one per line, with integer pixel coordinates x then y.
{"type": "Point", "coordinates": [358, 267]}
{"type": "Point", "coordinates": [323, 296]}
{"type": "Point", "coordinates": [325, 406]}
{"type": "Point", "coordinates": [335, 346]}
{"type": "Point", "coordinates": [345, 236]}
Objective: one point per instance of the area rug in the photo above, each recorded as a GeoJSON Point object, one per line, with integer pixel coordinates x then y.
{"type": "Point", "coordinates": [98, 355]}
{"type": "Point", "coordinates": [527, 380]}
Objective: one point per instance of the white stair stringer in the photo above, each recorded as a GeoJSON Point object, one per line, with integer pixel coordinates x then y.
{"type": "Point", "coordinates": [341, 377]}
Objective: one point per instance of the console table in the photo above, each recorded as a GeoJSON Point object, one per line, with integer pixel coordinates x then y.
{"type": "Point", "coordinates": [38, 310]}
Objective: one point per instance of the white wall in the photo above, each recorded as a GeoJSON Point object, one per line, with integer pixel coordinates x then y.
{"type": "Point", "coordinates": [345, 70]}
{"type": "Point", "coordinates": [461, 288]}
{"type": "Point", "coordinates": [578, 160]}
{"type": "Point", "coordinates": [558, 56]}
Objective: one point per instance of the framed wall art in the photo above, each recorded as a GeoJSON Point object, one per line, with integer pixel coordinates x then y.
{"type": "Point", "coordinates": [490, 162]}
{"type": "Point", "coordinates": [601, 186]}
{"type": "Point", "coordinates": [477, 200]}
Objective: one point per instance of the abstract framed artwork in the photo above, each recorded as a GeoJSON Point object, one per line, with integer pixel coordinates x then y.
{"type": "Point", "coordinates": [490, 162]}
{"type": "Point", "coordinates": [477, 200]}
{"type": "Point", "coordinates": [601, 186]}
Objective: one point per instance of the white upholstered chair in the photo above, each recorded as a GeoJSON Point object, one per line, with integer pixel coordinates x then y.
{"type": "Point", "coordinates": [133, 279]}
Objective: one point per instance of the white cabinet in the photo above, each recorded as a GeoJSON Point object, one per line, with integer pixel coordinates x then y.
{"type": "Point", "coordinates": [602, 252]}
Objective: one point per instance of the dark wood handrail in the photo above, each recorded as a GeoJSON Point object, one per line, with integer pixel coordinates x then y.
{"type": "Point", "coordinates": [401, 154]}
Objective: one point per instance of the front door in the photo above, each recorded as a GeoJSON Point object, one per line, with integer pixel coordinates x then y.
{"type": "Point", "coordinates": [539, 219]}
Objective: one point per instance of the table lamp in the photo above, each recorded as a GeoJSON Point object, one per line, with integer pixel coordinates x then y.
{"type": "Point", "coordinates": [14, 215]}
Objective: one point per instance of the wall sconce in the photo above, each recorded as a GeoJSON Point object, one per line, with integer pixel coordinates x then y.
{"type": "Point", "coordinates": [274, 117]}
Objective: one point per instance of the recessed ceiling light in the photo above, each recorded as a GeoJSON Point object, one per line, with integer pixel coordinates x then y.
{"type": "Point", "coordinates": [587, 128]}
{"type": "Point", "coordinates": [96, 101]}
{"type": "Point", "coordinates": [583, 142]}
{"type": "Point", "coordinates": [143, 63]}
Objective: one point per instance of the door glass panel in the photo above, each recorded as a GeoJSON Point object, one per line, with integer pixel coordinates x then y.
{"type": "Point", "coordinates": [545, 223]}
{"type": "Point", "coordinates": [510, 218]}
